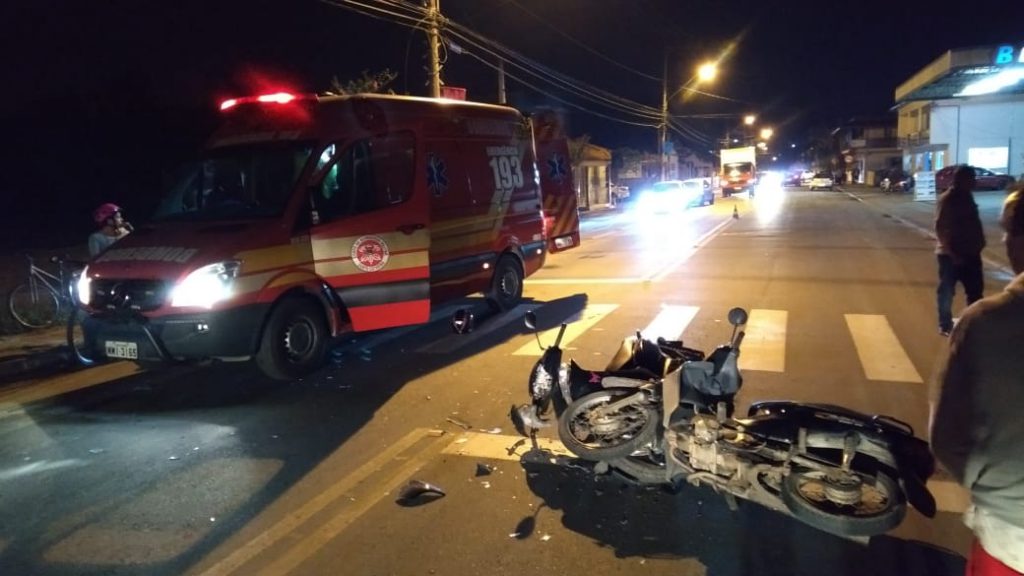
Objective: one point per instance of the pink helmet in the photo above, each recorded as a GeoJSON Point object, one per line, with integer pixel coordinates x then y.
{"type": "Point", "coordinates": [105, 211]}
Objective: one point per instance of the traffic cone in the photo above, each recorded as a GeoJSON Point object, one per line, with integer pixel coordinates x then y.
{"type": "Point", "coordinates": [735, 213]}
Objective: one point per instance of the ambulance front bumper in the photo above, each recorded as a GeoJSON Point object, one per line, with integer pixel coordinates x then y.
{"type": "Point", "coordinates": [227, 334]}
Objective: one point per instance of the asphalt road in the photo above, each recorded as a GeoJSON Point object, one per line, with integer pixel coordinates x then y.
{"type": "Point", "coordinates": [215, 470]}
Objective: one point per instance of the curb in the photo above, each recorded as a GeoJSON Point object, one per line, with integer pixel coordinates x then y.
{"type": "Point", "coordinates": [21, 364]}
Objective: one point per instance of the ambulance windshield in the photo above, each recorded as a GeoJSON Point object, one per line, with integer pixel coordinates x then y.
{"type": "Point", "coordinates": [234, 183]}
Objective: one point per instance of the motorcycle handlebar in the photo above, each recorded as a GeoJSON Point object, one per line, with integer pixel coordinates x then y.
{"type": "Point", "coordinates": [561, 332]}
{"type": "Point", "coordinates": [738, 340]}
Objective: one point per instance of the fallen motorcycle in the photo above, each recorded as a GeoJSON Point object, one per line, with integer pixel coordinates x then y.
{"type": "Point", "coordinates": [836, 469]}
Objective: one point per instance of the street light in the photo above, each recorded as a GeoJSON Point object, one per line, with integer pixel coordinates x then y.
{"type": "Point", "coordinates": [749, 119]}
{"type": "Point", "coordinates": [766, 133]}
{"type": "Point", "coordinates": [705, 73]}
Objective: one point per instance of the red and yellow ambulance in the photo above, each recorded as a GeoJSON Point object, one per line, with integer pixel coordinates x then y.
{"type": "Point", "coordinates": [311, 216]}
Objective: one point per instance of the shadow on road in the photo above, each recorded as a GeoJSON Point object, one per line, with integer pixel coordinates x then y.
{"type": "Point", "coordinates": [696, 523]}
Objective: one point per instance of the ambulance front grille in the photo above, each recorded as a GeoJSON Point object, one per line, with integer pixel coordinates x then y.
{"type": "Point", "coordinates": [142, 295]}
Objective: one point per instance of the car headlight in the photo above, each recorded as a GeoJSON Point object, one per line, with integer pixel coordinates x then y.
{"type": "Point", "coordinates": [206, 286]}
{"type": "Point", "coordinates": [84, 286]}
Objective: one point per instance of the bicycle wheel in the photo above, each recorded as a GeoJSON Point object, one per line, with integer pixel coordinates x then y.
{"type": "Point", "coordinates": [34, 305]}
{"type": "Point", "coordinates": [81, 351]}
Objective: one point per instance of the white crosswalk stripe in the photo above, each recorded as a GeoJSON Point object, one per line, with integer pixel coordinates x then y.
{"type": "Point", "coordinates": [577, 325]}
{"type": "Point", "coordinates": [764, 346]}
{"type": "Point", "coordinates": [880, 352]}
{"type": "Point", "coordinates": [671, 322]}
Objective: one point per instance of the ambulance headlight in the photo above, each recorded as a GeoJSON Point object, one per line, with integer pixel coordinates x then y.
{"type": "Point", "coordinates": [206, 286]}
{"type": "Point", "coordinates": [84, 286]}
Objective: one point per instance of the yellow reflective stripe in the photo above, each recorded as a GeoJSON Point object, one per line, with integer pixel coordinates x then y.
{"type": "Point", "coordinates": [396, 242]}
{"type": "Point", "coordinates": [275, 257]}
{"type": "Point", "coordinates": [395, 262]}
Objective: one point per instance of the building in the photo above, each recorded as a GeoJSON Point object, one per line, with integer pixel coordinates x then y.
{"type": "Point", "coordinates": [869, 147]}
{"type": "Point", "coordinates": [966, 107]}
{"type": "Point", "coordinates": [590, 172]}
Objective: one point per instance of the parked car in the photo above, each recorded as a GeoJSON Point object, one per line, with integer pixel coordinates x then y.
{"type": "Point", "coordinates": [805, 177]}
{"type": "Point", "coordinates": [987, 179]}
{"type": "Point", "coordinates": [671, 195]}
{"type": "Point", "coordinates": [618, 193]}
{"type": "Point", "coordinates": [821, 181]}
{"type": "Point", "coordinates": [792, 178]}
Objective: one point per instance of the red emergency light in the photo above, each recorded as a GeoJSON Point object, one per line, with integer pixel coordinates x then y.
{"type": "Point", "coordinates": [275, 98]}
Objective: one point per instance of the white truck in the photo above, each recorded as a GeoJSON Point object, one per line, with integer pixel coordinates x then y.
{"type": "Point", "coordinates": [739, 170]}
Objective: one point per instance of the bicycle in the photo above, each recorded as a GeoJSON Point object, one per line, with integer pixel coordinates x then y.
{"type": "Point", "coordinates": [46, 297]}
{"type": "Point", "coordinates": [41, 300]}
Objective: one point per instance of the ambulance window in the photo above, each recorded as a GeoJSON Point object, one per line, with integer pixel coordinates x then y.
{"type": "Point", "coordinates": [368, 175]}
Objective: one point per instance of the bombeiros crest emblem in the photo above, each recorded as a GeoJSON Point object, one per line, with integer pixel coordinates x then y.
{"type": "Point", "coordinates": [370, 253]}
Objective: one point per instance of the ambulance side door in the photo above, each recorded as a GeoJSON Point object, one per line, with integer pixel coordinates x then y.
{"type": "Point", "coordinates": [370, 234]}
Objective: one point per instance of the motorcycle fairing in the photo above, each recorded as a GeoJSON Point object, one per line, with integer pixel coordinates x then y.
{"type": "Point", "coordinates": [889, 441]}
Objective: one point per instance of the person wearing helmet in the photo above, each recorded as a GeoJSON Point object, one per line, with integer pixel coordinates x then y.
{"type": "Point", "coordinates": [112, 227]}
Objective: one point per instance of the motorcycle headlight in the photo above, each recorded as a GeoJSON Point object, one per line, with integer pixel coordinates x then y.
{"type": "Point", "coordinates": [84, 286]}
{"type": "Point", "coordinates": [206, 286]}
{"type": "Point", "coordinates": [541, 382]}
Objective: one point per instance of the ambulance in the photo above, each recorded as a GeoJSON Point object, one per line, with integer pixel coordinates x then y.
{"type": "Point", "coordinates": [309, 216]}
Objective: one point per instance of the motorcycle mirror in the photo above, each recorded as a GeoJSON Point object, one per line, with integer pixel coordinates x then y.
{"type": "Point", "coordinates": [737, 316]}
{"type": "Point", "coordinates": [530, 320]}
{"type": "Point", "coordinates": [462, 321]}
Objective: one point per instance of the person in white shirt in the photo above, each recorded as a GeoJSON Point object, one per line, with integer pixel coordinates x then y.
{"type": "Point", "coordinates": [112, 227]}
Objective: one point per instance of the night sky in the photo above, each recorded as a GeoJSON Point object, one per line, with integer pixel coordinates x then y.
{"type": "Point", "coordinates": [102, 98]}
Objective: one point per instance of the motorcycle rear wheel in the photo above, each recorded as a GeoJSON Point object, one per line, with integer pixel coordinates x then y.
{"type": "Point", "coordinates": [641, 469]}
{"type": "Point", "coordinates": [628, 430]}
{"type": "Point", "coordinates": [879, 507]}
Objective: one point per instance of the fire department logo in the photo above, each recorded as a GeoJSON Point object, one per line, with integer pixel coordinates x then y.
{"type": "Point", "coordinates": [370, 253]}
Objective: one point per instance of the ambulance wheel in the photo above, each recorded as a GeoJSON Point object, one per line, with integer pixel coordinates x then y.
{"type": "Point", "coordinates": [506, 285]}
{"type": "Point", "coordinates": [294, 340]}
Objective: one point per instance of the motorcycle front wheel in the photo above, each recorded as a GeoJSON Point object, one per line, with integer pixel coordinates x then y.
{"type": "Point", "coordinates": [598, 436]}
{"type": "Point", "coordinates": [846, 504]}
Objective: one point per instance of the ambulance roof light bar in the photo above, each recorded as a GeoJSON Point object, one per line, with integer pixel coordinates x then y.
{"type": "Point", "coordinates": [275, 98]}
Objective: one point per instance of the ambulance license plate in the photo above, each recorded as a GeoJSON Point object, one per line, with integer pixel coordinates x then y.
{"type": "Point", "coordinates": [116, 349]}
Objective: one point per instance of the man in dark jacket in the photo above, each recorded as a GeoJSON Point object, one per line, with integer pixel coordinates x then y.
{"type": "Point", "coordinates": [960, 240]}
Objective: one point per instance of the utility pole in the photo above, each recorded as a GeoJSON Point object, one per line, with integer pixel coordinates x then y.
{"type": "Point", "coordinates": [434, 18]}
{"type": "Point", "coordinates": [664, 113]}
{"type": "Point", "coordinates": [502, 97]}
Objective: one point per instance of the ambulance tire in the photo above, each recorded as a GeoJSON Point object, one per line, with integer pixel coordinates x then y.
{"type": "Point", "coordinates": [506, 284]}
{"type": "Point", "coordinates": [294, 340]}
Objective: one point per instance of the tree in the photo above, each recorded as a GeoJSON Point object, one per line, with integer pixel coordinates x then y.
{"type": "Point", "coordinates": [366, 84]}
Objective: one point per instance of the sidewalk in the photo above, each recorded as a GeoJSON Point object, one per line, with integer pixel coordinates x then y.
{"type": "Point", "coordinates": [46, 348]}
{"type": "Point", "coordinates": [921, 215]}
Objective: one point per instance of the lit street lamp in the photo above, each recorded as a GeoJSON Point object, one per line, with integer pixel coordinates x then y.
{"type": "Point", "coordinates": [705, 73]}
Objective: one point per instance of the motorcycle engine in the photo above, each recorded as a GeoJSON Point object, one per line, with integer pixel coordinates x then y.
{"type": "Point", "coordinates": [703, 447]}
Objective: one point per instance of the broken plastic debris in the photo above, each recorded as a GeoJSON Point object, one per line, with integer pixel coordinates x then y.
{"type": "Point", "coordinates": [483, 469]}
{"type": "Point", "coordinates": [486, 484]}
{"type": "Point", "coordinates": [173, 458]}
{"type": "Point", "coordinates": [436, 432]}
{"type": "Point", "coordinates": [96, 450]}
{"type": "Point", "coordinates": [462, 440]}
{"type": "Point", "coordinates": [458, 422]}
{"type": "Point", "coordinates": [213, 519]}
{"type": "Point", "coordinates": [416, 488]}
{"type": "Point", "coordinates": [545, 537]}
{"type": "Point", "coordinates": [491, 431]}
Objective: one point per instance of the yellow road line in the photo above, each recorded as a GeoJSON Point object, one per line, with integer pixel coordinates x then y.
{"type": "Point", "coordinates": [880, 352]}
{"type": "Point", "coordinates": [311, 543]}
{"type": "Point", "coordinates": [499, 446]}
{"type": "Point", "coordinates": [243, 554]}
{"type": "Point", "coordinates": [64, 383]}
